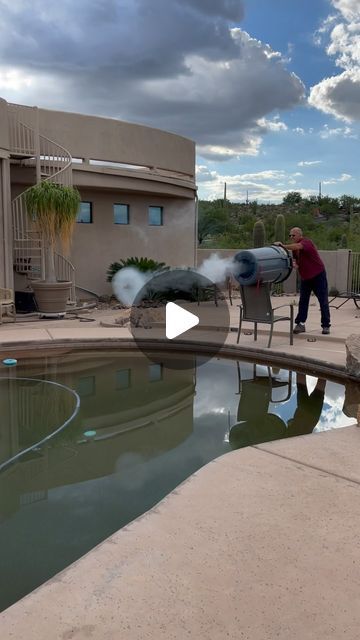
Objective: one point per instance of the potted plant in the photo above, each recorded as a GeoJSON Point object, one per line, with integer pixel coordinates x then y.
{"type": "Point", "coordinates": [52, 209]}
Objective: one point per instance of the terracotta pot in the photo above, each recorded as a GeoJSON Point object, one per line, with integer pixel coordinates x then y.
{"type": "Point", "coordinates": [51, 297]}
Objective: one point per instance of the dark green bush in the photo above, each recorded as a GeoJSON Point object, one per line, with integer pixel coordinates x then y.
{"type": "Point", "coordinates": [142, 264]}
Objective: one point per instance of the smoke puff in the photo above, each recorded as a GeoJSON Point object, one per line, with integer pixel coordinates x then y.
{"type": "Point", "coordinates": [217, 269]}
{"type": "Point", "coordinates": [127, 283]}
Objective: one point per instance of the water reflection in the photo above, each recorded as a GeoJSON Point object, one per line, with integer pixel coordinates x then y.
{"type": "Point", "coordinates": [150, 427]}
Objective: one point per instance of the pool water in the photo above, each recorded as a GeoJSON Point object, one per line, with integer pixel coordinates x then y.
{"type": "Point", "coordinates": [140, 429]}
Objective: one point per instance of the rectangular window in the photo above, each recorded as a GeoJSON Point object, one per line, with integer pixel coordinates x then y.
{"type": "Point", "coordinates": [121, 213]}
{"type": "Point", "coordinates": [155, 372]}
{"type": "Point", "coordinates": [84, 213]}
{"type": "Point", "coordinates": [123, 378]}
{"type": "Point", "coordinates": [156, 216]}
{"type": "Point", "coordinates": [86, 386]}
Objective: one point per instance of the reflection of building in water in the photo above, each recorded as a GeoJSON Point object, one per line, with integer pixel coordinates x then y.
{"type": "Point", "coordinates": [133, 405]}
{"type": "Point", "coordinates": [255, 423]}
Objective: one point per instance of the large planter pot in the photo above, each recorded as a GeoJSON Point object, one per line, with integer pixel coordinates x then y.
{"type": "Point", "coordinates": [51, 297]}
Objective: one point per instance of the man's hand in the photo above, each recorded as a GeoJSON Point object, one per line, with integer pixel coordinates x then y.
{"type": "Point", "coordinates": [278, 244]}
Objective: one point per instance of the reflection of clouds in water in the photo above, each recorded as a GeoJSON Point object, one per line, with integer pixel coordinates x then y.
{"type": "Point", "coordinates": [332, 416]}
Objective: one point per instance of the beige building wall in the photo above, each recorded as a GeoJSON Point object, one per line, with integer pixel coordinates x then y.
{"type": "Point", "coordinates": [92, 137]}
{"type": "Point", "coordinates": [141, 166]}
{"type": "Point", "coordinates": [95, 246]}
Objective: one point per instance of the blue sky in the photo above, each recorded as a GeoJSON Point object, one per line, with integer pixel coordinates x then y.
{"type": "Point", "coordinates": [268, 89]}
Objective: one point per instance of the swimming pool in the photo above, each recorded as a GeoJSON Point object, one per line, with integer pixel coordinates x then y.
{"type": "Point", "coordinates": [140, 429]}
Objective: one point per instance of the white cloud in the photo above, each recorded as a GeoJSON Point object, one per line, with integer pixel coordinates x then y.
{"type": "Point", "coordinates": [339, 95]}
{"type": "Point", "coordinates": [308, 163]}
{"type": "Point", "coordinates": [264, 186]}
{"type": "Point", "coordinates": [274, 125]}
{"type": "Point", "coordinates": [299, 130]}
{"type": "Point", "coordinates": [343, 178]}
{"type": "Point", "coordinates": [344, 132]}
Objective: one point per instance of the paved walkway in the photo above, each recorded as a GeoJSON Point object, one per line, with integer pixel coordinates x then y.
{"type": "Point", "coordinates": [262, 543]}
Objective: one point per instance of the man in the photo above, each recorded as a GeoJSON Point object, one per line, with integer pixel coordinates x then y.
{"type": "Point", "coordinates": [313, 279]}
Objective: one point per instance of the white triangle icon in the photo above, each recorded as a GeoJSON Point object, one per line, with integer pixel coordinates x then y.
{"type": "Point", "coordinates": [178, 320]}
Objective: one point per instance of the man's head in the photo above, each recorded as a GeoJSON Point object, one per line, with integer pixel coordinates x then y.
{"type": "Point", "coordinates": [295, 234]}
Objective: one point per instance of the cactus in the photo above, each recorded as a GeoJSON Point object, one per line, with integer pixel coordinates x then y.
{"type": "Point", "coordinates": [280, 228]}
{"type": "Point", "coordinates": [343, 241]}
{"type": "Point", "coordinates": [259, 237]}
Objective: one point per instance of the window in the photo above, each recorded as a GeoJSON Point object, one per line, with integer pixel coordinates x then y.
{"type": "Point", "coordinates": [84, 213]}
{"type": "Point", "coordinates": [123, 378]}
{"type": "Point", "coordinates": [121, 213]}
{"type": "Point", "coordinates": [156, 216]}
{"type": "Point", "coordinates": [155, 372]}
{"type": "Point", "coordinates": [86, 386]}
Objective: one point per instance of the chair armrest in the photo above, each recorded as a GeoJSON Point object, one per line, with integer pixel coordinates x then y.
{"type": "Point", "coordinates": [289, 304]}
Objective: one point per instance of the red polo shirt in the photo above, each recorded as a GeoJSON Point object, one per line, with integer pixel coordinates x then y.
{"type": "Point", "coordinates": [308, 260]}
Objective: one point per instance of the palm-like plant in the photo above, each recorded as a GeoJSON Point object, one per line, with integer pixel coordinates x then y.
{"type": "Point", "coordinates": [141, 264]}
{"type": "Point", "coordinates": [52, 209]}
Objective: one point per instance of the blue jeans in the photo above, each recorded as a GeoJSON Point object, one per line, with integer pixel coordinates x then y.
{"type": "Point", "coordinates": [319, 286]}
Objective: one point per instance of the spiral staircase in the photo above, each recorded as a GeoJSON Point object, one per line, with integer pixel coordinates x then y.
{"type": "Point", "coordinates": [50, 161]}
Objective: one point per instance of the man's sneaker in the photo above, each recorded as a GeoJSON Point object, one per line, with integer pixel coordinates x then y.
{"type": "Point", "coordinates": [299, 328]}
{"type": "Point", "coordinates": [326, 331]}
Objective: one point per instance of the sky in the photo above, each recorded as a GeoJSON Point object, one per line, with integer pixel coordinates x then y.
{"type": "Point", "coordinates": [268, 89]}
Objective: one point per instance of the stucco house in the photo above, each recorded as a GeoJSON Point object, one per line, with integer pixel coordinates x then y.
{"type": "Point", "coordinates": [137, 187]}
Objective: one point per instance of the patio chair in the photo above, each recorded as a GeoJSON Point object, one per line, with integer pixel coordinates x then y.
{"type": "Point", "coordinates": [256, 307]}
{"type": "Point", "coordinates": [7, 304]}
{"type": "Point", "coordinates": [346, 295]}
{"type": "Point", "coordinates": [255, 422]}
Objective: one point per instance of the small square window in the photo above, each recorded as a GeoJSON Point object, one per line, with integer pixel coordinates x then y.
{"type": "Point", "coordinates": [86, 386]}
{"type": "Point", "coordinates": [84, 213]}
{"type": "Point", "coordinates": [155, 372]}
{"type": "Point", "coordinates": [123, 378]}
{"type": "Point", "coordinates": [156, 216]}
{"type": "Point", "coordinates": [121, 213]}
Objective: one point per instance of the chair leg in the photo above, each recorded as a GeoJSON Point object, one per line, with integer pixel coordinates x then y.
{"type": "Point", "coordinates": [270, 334]}
{"type": "Point", "coordinates": [291, 324]}
{"type": "Point", "coordinates": [255, 330]}
{"type": "Point", "coordinates": [240, 323]}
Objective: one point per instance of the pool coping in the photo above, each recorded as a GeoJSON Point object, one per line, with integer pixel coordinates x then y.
{"type": "Point", "coordinates": [91, 573]}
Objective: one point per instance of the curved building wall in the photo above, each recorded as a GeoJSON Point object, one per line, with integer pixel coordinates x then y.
{"type": "Point", "coordinates": [119, 163]}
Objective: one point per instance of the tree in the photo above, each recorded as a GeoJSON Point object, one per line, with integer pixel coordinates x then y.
{"type": "Point", "coordinates": [52, 208]}
{"type": "Point", "coordinates": [292, 198]}
{"type": "Point", "coordinates": [212, 221]}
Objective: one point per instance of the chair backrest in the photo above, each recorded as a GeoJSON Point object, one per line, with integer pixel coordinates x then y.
{"type": "Point", "coordinates": [6, 296]}
{"type": "Point", "coordinates": [256, 302]}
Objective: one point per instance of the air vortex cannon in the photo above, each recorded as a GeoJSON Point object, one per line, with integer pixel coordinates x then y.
{"type": "Point", "coordinates": [265, 264]}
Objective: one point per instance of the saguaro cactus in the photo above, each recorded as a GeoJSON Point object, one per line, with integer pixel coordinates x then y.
{"type": "Point", "coordinates": [280, 228]}
{"type": "Point", "coordinates": [259, 236]}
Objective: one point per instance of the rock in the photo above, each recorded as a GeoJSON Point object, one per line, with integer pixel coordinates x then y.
{"type": "Point", "coordinates": [353, 355]}
{"type": "Point", "coordinates": [351, 406]}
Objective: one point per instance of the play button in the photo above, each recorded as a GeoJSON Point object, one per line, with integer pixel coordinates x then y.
{"type": "Point", "coordinates": [174, 314]}
{"type": "Point", "coordinates": [178, 320]}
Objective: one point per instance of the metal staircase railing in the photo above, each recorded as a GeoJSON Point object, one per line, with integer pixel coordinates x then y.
{"type": "Point", "coordinates": [53, 163]}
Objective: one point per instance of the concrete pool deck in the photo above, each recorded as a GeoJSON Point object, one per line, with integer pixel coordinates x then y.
{"type": "Point", "coordinates": [261, 543]}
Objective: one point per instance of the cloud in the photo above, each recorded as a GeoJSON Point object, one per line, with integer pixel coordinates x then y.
{"type": "Point", "coordinates": [339, 95]}
{"type": "Point", "coordinates": [264, 186]}
{"type": "Point", "coordinates": [181, 66]}
{"type": "Point", "coordinates": [343, 178]}
{"type": "Point", "coordinates": [308, 163]}
{"type": "Point", "coordinates": [344, 132]}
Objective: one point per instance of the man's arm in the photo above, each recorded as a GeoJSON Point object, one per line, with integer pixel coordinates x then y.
{"type": "Point", "coordinates": [294, 246]}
